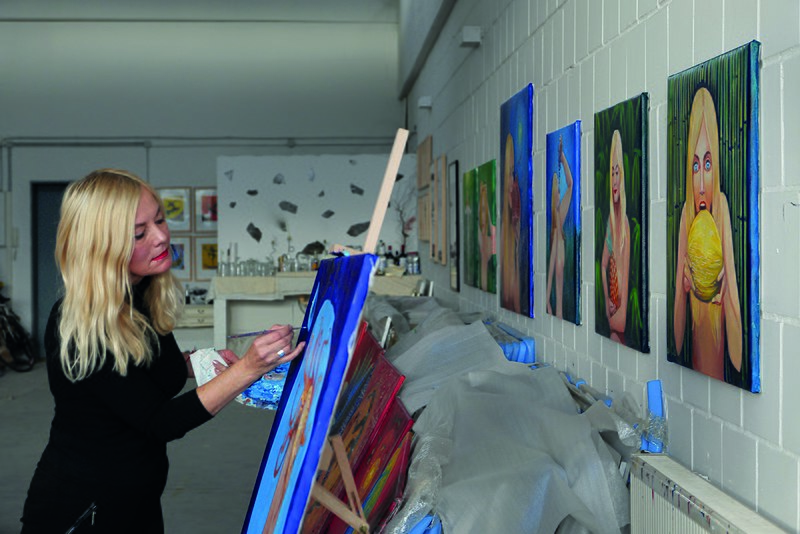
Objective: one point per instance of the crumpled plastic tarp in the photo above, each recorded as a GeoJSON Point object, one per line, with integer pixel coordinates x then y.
{"type": "Point", "coordinates": [503, 449]}
{"type": "Point", "coordinates": [444, 353]}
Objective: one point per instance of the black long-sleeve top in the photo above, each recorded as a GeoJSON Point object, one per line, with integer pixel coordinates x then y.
{"type": "Point", "coordinates": [108, 441]}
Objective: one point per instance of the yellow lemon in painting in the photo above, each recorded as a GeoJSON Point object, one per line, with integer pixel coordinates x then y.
{"type": "Point", "coordinates": [705, 255]}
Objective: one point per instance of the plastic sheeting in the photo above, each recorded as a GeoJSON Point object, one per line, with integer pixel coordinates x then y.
{"type": "Point", "coordinates": [445, 353]}
{"type": "Point", "coordinates": [503, 449]}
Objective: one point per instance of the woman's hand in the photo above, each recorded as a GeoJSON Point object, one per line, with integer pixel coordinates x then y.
{"type": "Point", "coordinates": [272, 349]}
{"type": "Point", "coordinates": [688, 279]}
{"type": "Point", "coordinates": [721, 284]}
{"type": "Point", "coordinates": [230, 358]}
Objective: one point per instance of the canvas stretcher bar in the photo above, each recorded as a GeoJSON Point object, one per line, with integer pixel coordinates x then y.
{"type": "Point", "coordinates": [353, 514]}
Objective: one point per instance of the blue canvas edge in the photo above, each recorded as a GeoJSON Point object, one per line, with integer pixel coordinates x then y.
{"type": "Point", "coordinates": [291, 377]}
{"type": "Point", "coordinates": [335, 374]}
{"type": "Point", "coordinates": [576, 131]}
{"type": "Point", "coordinates": [753, 186]}
{"type": "Point", "coordinates": [531, 233]}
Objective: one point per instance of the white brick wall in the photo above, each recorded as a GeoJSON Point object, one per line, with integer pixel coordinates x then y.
{"type": "Point", "coordinates": [583, 56]}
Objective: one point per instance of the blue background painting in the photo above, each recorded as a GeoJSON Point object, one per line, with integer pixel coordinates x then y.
{"type": "Point", "coordinates": [516, 119]}
{"type": "Point", "coordinates": [571, 138]}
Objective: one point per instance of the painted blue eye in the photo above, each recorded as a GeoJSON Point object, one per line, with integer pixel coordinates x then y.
{"type": "Point", "coordinates": [708, 165]}
{"type": "Point", "coordinates": [695, 167]}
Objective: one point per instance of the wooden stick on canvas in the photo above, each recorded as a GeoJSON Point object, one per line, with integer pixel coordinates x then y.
{"type": "Point", "coordinates": [385, 193]}
{"type": "Point", "coordinates": [353, 514]}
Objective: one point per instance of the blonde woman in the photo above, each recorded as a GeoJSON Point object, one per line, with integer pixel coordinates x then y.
{"type": "Point", "coordinates": [615, 263]}
{"type": "Point", "coordinates": [715, 313]}
{"type": "Point", "coordinates": [511, 290]}
{"type": "Point", "coordinates": [114, 367]}
{"type": "Point", "coordinates": [486, 238]}
{"type": "Point", "coordinates": [559, 209]}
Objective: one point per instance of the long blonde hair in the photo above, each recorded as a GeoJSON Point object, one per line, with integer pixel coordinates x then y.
{"type": "Point", "coordinates": [616, 155]}
{"type": "Point", "coordinates": [703, 112]}
{"type": "Point", "coordinates": [94, 245]}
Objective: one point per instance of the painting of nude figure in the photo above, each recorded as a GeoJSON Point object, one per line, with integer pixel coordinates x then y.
{"type": "Point", "coordinates": [563, 207]}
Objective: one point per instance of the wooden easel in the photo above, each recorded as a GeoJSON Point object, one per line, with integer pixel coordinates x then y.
{"type": "Point", "coordinates": [385, 193]}
{"type": "Point", "coordinates": [351, 513]}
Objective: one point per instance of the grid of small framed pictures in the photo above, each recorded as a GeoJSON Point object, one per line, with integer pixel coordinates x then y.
{"type": "Point", "coordinates": [191, 214]}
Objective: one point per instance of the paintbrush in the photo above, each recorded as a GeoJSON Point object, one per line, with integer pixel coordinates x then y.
{"type": "Point", "coordinates": [259, 333]}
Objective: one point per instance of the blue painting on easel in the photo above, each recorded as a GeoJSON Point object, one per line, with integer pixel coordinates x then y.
{"type": "Point", "coordinates": [302, 422]}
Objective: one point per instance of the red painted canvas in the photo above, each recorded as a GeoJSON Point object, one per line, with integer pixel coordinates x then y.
{"type": "Point", "coordinates": [369, 408]}
{"type": "Point", "coordinates": [372, 470]}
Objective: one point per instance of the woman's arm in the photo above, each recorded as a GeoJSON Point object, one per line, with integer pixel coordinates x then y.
{"type": "Point", "coordinates": [563, 206]}
{"type": "Point", "coordinates": [730, 291]}
{"type": "Point", "coordinates": [551, 266]}
{"type": "Point", "coordinates": [681, 290]}
{"type": "Point", "coordinates": [262, 357]}
{"type": "Point", "coordinates": [620, 317]}
{"type": "Point", "coordinates": [604, 276]}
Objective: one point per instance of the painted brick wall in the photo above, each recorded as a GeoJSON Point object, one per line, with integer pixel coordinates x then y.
{"type": "Point", "coordinates": [583, 56]}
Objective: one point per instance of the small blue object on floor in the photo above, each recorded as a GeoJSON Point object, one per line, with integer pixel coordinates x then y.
{"type": "Point", "coordinates": [516, 346]}
{"type": "Point", "coordinates": [430, 524]}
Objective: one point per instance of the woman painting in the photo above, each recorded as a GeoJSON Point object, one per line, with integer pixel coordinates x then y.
{"type": "Point", "coordinates": [705, 271]}
{"type": "Point", "coordinates": [510, 290]}
{"type": "Point", "coordinates": [559, 209]}
{"type": "Point", "coordinates": [114, 368]}
{"type": "Point", "coordinates": [615, 263]}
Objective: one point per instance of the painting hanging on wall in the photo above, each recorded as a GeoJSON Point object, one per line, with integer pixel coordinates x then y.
{"type": "Point", "coordinates": [712, 218]}
{"type": "Point", "coordinates": [516, 202]}
{"type": "Point", "coordinates": [486, 225]}
{"type": "Point", "coordinates": [621, 225]}
{"type": "Point", "coordinates": [181, 257]}
{"type": "Point", "coordinates": [563, 208]}
{"type": "Point", "coordinates": [303, 419]}
{"type": "Point", "coordinates": [205, 210]}
{"type": "Point", "coordinates": [469, 216]}
{"type": "Point", "coordinates": [454, 226]}
{"type": "Point", "coordinates": [177, 208]}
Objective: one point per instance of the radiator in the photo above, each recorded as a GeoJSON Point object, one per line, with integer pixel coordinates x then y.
{"type": "Point", "coordinates": [667, 497]}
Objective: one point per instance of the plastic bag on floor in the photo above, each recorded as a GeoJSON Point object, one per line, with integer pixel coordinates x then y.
{"type": "Point", "coordinates": [527, 470]}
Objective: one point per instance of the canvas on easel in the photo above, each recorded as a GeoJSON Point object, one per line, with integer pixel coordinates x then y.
{"type": "Point", "coordinates": [365, 407]}
{"type": "Point", "coordinates": [302, 422]}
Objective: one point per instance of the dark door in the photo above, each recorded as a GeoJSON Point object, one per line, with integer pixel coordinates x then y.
{"type": "Point", "coordinates": [47, 287]}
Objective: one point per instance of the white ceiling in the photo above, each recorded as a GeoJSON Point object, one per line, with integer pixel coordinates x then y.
{"type": "Point", "coordinates": [373, 11]}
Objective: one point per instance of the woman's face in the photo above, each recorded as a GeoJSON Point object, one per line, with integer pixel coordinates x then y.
{"type": "Point", "coordinates": [702, 172]}
{"type": "Point", "coordinates": [616, 179]}
{"type": "Point", "coordinates": [151, 252]}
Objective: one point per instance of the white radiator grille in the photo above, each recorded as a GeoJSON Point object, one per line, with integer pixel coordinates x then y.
{"type": "Point", "coordinates": [667, 497]}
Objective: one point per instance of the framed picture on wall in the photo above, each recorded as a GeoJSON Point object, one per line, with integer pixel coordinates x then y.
{"type": "Point", "coordinates": [424, 158]}
{"type": "Point", "coordinates": [205, 209]}
{"type": "Point", "coordinates": [424, 215]}
{"type": "Point", "coordinates": [206, 257]}
{"type": "Point", "coordinates": [177, 207]}
{"type": "Point", "coordinates": [453, 223]}
{"type": "Point", "coordinates": [181, 257]}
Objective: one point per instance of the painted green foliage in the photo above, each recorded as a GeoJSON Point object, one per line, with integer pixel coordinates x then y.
{"type": "Point", "coordinates": [630, 119]}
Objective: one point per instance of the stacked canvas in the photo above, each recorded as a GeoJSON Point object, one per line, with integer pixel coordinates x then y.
{"type": "Point", "coordinates": [367, 407]}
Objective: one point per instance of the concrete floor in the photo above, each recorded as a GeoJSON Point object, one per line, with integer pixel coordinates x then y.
{"type": "Point", "coordinates": [212, 473]}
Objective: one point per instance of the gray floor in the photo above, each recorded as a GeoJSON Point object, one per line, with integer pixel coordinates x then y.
{"type": "Point", "coordinates": [212, 472]}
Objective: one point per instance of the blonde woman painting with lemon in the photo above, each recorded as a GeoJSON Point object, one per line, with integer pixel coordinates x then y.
{"type": "Point", "coordinates": [705, 272]}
